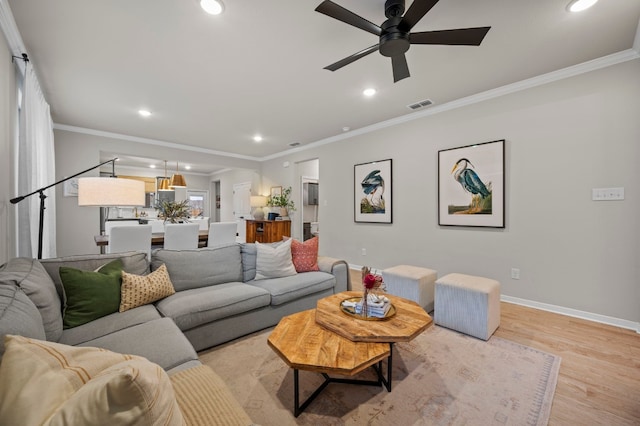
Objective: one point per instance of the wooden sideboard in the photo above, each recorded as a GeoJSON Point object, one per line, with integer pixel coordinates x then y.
{"type": "Point", "coordinates": [267, 231]}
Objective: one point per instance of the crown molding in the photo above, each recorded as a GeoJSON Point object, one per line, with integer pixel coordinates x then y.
{"type": "Point", "coordinates": [561, 74]}
{"type": "Point", "coordinates": [10, 29]}
{"type": "Point", "coordinates": [148, 141]}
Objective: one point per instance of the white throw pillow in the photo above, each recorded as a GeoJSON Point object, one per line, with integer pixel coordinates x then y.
{"type": "Point", "coordinates": [274, 261]}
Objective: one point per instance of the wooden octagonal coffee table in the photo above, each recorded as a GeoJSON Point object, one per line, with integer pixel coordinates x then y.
{"type": "Point", "coordinates": [409, 321]}
{"type": "Point", "coordinates": [304, 345]}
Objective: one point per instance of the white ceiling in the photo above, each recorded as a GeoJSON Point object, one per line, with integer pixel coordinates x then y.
{"type": "Point", "coordinates": [214, 81]}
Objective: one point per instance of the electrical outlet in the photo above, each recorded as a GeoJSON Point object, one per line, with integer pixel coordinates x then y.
{"type": "Point", "coordinates": [364, 251]}
{"type": "Point", "coordinates": [515, 273]}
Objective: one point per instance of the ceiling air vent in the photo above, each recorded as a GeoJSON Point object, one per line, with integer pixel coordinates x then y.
{"type": "Point", "coordinates": [420, 104]}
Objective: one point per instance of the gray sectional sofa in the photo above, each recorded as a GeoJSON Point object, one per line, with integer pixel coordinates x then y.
{"type": "Point", "coordinates": [217, 299]}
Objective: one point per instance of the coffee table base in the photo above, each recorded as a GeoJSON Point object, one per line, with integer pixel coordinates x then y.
{"type": "Point", "coordinates": [298, 409]}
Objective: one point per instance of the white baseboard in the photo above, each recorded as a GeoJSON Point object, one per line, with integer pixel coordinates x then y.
{"type": "Point", "coordinates": [604, 319]}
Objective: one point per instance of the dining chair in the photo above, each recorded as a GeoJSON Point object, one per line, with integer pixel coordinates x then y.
{"type": "Point", "coordinates": [111, 223]}
{"type": "Point", "coordinates": [222, 233]}
{"type": "Point", "coordinates": [129, 238]}
{"type": "Point", "coordinates": [181, 236]}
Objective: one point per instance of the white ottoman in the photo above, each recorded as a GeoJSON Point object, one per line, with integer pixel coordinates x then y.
{"type": "Point", "coordinates": [411, 282]}
{"type": "Point", "coordinates": [468, 304]}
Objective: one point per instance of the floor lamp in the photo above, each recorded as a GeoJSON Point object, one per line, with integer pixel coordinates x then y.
{"type": "Point", "coordinates": [43, 197]}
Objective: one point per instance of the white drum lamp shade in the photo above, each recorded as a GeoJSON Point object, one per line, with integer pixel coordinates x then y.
{"type": "Point", "coordinates": [110, 192]}
{"type": "Point", "coordinates": [258, 202]}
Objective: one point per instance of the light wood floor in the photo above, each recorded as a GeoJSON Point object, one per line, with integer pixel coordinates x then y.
{"type": "Point", "coordinates": [599, 380]}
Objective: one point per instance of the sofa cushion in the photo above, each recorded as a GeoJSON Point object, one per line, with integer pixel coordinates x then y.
{"type": "Point", "coordinates": [248, 252]}
{"type": "Point", "coordinates": [138, 290]}
{"type": "Point", "coordinates": [90, 295]}
{"type": "Point", "coordinates": [83, 386]}
{"type": "Point", "coordinates": [274, 262]}
{"type": "Point", "coordinates": [305, 255]}
{"type": "Point", "coordinates": [203, 396]}
{"type": "Point", "coordinates": [18, 315]}
{"type": "Point", "coordinates": [109, 324]}
{"type": "Point", "coordinates": [200, 268]}
{"type": "Point", "coordinates": [191, 308]}
{"type": "Point", "coordinates": [287, 289]}
{"type": "Point", "coordinates": [160, 341]}
{"type": "Point", "coordinates": [36, 283]}
{"type": "Point", "coordinates": [134, 262]}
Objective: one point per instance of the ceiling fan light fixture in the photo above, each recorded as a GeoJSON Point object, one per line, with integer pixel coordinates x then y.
{"type": "Point", "coordinates": [580, 5]}
{"type": "Point", "coordinates": [212, 7]}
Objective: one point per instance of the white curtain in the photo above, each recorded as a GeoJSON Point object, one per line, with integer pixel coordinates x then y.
{"type": "Point", "coordinates": [36, 169]}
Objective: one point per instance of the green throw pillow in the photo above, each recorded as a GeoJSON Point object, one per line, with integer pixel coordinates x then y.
{"type": "Point", "coordinates": [90, 295]}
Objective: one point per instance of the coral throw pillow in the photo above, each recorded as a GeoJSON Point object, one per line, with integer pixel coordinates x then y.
{"type": "Point", "coordinates": [305, 255]}
{"type": "Point", "coordinates": [138, 290]}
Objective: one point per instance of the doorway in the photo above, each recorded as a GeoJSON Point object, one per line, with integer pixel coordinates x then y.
{"type": "Point", "coordinates": [310, 196]}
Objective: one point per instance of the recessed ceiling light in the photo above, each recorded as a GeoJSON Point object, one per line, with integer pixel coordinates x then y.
{"type": "Point", "coordinates": [580, 5]}
{"type": "Point", "coordinates": [153, 166]}
{"type": "Point", "coordinates": [257, 138]}
{"type": "Point", "coordinates": [369, 92]}
{"type": "Point", "coordinates": [212, 7]}
{"type": "Point", "coordinates": [346, 128]}
{"type": "Point", "coordinates": [144, 113]}
{"type": "Point", "coordinates": [187, 167]}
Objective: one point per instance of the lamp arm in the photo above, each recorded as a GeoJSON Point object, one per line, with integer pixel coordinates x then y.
{"type": "Point", "coordinates": [22, 197]}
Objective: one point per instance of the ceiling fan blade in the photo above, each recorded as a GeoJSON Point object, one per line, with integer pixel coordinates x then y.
{"type": "Point", "coordinates": [338, 12]}
{"type": "Point", "coordinates": [416, 11]}
{"type": "Point", "coordinates": [462, 36]}
{"type": "Point", "coordinates": [400, 67]}
{"type": "Point", "coordinates": [346, 61]}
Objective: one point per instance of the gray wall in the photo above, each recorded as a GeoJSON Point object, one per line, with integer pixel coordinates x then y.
{"type": "Point", "coordinates": [8, 116]}
{"type": "Point", "coordinates": [562, 139]}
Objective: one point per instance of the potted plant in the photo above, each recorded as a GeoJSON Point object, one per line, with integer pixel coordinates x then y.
{"type": "Point", "coordinates": [283, 201]}
{"type": "Point", "coordinates": [174, 211]}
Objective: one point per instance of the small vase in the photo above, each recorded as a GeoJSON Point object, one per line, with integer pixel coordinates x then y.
{"type": "Point", "coordinates": [284, 212]}
{"type": "Point", "coordinates": [365, 303]}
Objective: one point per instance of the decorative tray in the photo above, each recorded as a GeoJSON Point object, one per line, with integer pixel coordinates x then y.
{"type": "Point", "coordinates": [352, 313]}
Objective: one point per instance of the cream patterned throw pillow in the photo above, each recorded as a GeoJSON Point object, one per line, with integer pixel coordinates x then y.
{"type": "Point", "coordinates": [138, 290]}
{"type": "Point", "coordinates": [51, 384]}
{"type": "Point", "coordinates": [274, 261]}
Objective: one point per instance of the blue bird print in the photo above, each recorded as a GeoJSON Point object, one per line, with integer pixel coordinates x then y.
{"type": "Point", "coordinates": [470, 181]}
{"type": "Point", "coordinates": [373, 187]}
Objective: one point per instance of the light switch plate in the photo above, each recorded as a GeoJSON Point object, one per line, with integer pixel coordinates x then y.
{"type": "Point", "coordinates": [607, 194]}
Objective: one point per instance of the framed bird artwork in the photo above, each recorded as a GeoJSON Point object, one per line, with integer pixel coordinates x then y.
{"type": "Point", "coordinates": [471, 185]}
{"type": "Point", "coordinates": [373, 199]}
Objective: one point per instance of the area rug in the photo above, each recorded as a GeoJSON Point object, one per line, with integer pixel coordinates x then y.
{"type": "Point", "coordinates": [440, 378]}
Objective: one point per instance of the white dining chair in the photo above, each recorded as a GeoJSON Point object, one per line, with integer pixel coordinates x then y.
{"type": "Point", "coordinates": [129, 238]}
{"type": "Point", "coordinates": [181, 236]}
{"type": "Point", "coordinates": [222, 233]}
{"type": "Point", "coordinates": [111, 223]}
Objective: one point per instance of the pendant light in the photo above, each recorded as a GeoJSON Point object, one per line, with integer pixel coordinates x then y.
{"type": "Point", "coordinates": [164, 183]}
{"type": "Point", "coordinates": [177, 180]}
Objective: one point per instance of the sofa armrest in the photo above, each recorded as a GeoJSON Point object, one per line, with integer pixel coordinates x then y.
{"type": "Point", "coordinates": [205, 399]}
{"type": "Point", "coordinates": [339, 269]}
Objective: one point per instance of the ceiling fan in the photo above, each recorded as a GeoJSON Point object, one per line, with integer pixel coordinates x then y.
{"type": "Point", "coordinates": [395, 33]}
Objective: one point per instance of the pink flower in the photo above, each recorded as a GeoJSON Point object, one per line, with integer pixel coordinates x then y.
{"type": "Point", "coordinates": [370, 281]}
